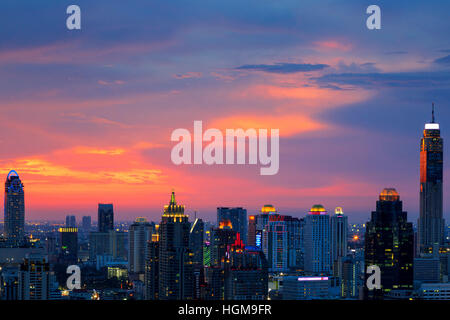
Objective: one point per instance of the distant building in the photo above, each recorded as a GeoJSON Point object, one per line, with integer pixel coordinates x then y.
{"type": "Point", "coordinates": [338, 240]}
{"type": "Point", "coordinates": [317, 241]}
{"type": "Point", "coordinates": [111, 243]}
{"type": "Point", "coordinates": [105, 217]}
{"type": "Point", "coordinates": [14, 210]}
{"type": "Point", "coordinates": [71, 221]}
{"type": "Point", "coordinates": [238, 218]}
{"type": "Point", "coordinates": [427, 269]}
{"type": "Point", "coordinates": [86, 224]}
{"type": "Point", "coordinates": [139, 234]}
{"type": "Point", "coordinates": [304, 288]}
{"type": "Point", "coordinates": [389, 244]}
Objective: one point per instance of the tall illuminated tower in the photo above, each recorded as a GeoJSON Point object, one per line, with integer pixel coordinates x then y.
{"type": "Point", "coordinates": [176, 274]}
{"type": "Point", "coordinates": [338, 242]}
{"type": "Point", "coordinates": [389, 244]}
{"type": "Point", "coordinates": [14, 210]}
{"type": "Point", "coordinates": [317, 241]}
{"type": "Point", "coordinates": [431, 222]}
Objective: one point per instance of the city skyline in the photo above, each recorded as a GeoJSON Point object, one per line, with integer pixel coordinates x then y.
{"type": "Point", "coordinates": [350, 103]}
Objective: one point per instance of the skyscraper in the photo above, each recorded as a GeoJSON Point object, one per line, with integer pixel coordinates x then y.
{"type": "Point", "coordinates": [35, 278]}
{"type": "Point", "coordinates": [276, 241]}
{"type": "Point", "coordinates": [251, 236]}
{"type": "Point", "coordinates": [431, 223]}
{"type": "Point", "coordinates": [151, 277]}
{"type": "Point", "coordinates": [238, 218]}
{"type": "Point", "coordinates": [176, 276]}
{"type": "Point", "coordinates": [139, 234]}
{"type": "Point", "coordinates": [14, 210]}
{"type": "Point", "coordinates": [105, 217]}
{"type": "Point", "coordinates": [338, 243]}
{"type": "Point", "coordinates": [86, 224]}
{"type": "Point", "coordinates": [71, 221]}
{"type": "Point", "coordinates": [196, 241]}
{"type": "Point", "coordinates": [317, 241]}
{"type": "Point", "coordinates": [389, 244]}
{"type": "Point", "coordinates": [69, 244]}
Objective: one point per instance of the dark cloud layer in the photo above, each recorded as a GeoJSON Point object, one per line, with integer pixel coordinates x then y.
{"type": "Point", "coordinates": [283, 67]}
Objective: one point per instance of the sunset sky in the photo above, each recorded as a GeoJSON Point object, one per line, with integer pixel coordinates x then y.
{"type": "Point", "coordinates": [86, 116]}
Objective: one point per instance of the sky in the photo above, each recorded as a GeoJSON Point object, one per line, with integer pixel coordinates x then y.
{"type": "Point", "coordinates": [86, 115]}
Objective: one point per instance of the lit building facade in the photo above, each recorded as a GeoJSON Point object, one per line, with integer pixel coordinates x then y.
{"type": "Point", "coordinates": [389, 244]}
{"type": "Point", "coordinates": [317, 241]}
{"type": "Point", "coordinates": [238, 218]}
{"type": "Point", "coordinates": [14, 207]}
{"type": "Point", "coordinates": [105, 217]}
{"type": "Point", "coordinates": [176, 275]}
{"type": "Point", "coordinates": [139, 234]}
{"type": "Point", "coordinates": [431, 223]}
{"type": "Point", "coordinates": [338, 242]}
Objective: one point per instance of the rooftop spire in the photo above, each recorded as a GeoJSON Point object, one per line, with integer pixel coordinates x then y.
{"type": "Point", "coordinates": [172, 198]}
{"type": "Point", "coordinates": [432, 112]}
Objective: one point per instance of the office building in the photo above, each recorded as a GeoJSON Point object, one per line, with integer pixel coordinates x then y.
{"type": "Point", "coordinates": [14, 206]}
{"type": "Point", "coordinates": [176, 274]}
{"type": "Point", "coordinates": [139, 234]}
{"type": "Point", "coordinates": [105, 217]}
{"type": "Point", "coordinates": [71, 221]}
{"type": "Point", "coordinates": [317, 241]}
{"type": "Point", "coordinates": [431, 223]}
{"type": "Point", "coordinates": [304, 288]}
{"type": "Point", "coordinates": [35, 278]}
{"type": "Point", "coordinates": [238, 218]}
{"type": "Point", "coordinates": [69, 245]}
{"type": "Point", "coordinates": [389, 244]}
{"type": "Point", "coordinates": [338, 242]}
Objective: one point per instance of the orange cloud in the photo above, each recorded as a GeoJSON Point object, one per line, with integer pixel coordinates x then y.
{"type": "Point", "coordinates": [288, 124]}
{"type": "Point", "coordinates": [332, 45]}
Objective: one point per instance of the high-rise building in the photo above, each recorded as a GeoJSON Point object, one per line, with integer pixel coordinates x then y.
{"type": "Point", "coordinates": [317, 241]}
{"type": "Point", "coordinates": [251, 235]}
{"type": "Point", "coordinates": [86, 224]}
{"type": "Point", "coordinates": [105, 217]}
{"type": "Point", "coordinates": [389, 244]}
{"type": "Point", "coordinates": [14, 210]}
{"type": "Point", "coordinates": [238, 218]}
{"type": "Point", "coordinates": [69, 244]}
{"type": "Point", "coordinates": [176, 276]}
{"type": "Point", "coordinates": [112, 243]}
{"type": "Point", "coordinates": [245, 273]}
{"type": "Point", "coordinates": [350, 276]}
{"type": "Point", "coordinates": [35, 278]}
{"type": "Point", "coordinates": [139, 234]}
{"type": "Point", "coordinates": [431, 223]}
{"type": "Point", "coordinates": [338, 242]}
{"type": "Point", "coordinates": [196, 242]}
{"type": "Point", "coordinates": [71, 221]}
{"type": "Point", "coordinates": [221, 238]}
{"type": "Point", "coordinates": [151, 278]}
{"type": "Point", "coordinates": [276, 241]}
